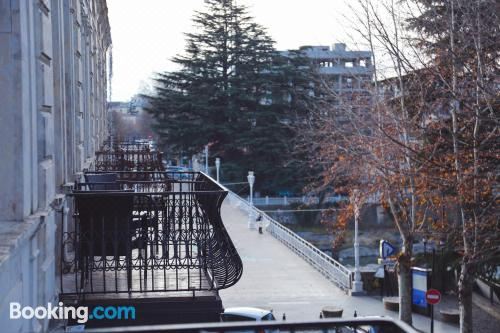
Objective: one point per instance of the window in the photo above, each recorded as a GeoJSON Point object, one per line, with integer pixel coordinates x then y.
{"type": "Point", "coordinates": [226, 317]}
{"type": "Point", "coordinates": [268, 317]}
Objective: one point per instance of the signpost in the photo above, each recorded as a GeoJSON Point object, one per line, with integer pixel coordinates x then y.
{"type": "Point", "coordinates": [432, 297]}
{"type": "Point", "coordinates": [386, 249]}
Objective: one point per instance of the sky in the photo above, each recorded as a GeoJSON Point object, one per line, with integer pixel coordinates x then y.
{"type": "Point", "coordinates": [147, 34]}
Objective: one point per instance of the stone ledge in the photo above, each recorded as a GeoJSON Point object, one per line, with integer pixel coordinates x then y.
{"type": "Point", "coordinates": [14, 233]}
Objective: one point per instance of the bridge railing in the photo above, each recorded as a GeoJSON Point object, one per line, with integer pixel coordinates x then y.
{"type": "Point", "coordinates": [285, 201]}
{"type": "Point", "coordinates": [329, 267]}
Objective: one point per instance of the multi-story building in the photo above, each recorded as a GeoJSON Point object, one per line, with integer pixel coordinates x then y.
{"type": "Point", "coordinates": [345, 71]}
{"type": "Point", "coordinates": [119, 107]}
{"type": "Point", "coordinates": [53, 78]}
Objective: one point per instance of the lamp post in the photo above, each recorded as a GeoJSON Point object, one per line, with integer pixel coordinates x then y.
{"type": "Point", "coordinates": [357, 286]}
{"type": "Point", "coordinates": [217, 167]}
{"type": "Point", "coordinates": [425, 250]}
{"type": "Point", "coordinates": [251, 181]}
{"type": "Point", "coordinates": [206, 159]}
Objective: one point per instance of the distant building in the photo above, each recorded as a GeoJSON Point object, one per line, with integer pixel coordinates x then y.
{"type": "Point", "coordinates": [345, 71]}
{"type": "Point", "coordinates": [135, 106]}
{"type": "Point", "coordinates": [53, 79]}
{"type": "Point", "coordinates": [120, 107]}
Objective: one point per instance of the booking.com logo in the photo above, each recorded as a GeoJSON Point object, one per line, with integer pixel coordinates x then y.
{"type": "Point", "coordinates": [80, 314]}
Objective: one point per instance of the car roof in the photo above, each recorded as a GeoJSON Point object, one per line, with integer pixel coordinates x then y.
{"type": "Point", "coordinates": [247, 312]}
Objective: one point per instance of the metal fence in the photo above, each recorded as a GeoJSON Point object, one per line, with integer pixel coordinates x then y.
{"type": "Point", "coordinates": [329, 267]}
{"type": "Point", "coordinates": [285, 201]}
{"type": "Point", "coordinates": [128, 156]}
{"type": "Point", "coordinates": [361, 324]}
{"type": "Point", "coordinates": [148, 232]}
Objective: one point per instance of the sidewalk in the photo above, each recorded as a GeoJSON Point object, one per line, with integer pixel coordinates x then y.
{"type": "Point", "coordinates": [275, 277]}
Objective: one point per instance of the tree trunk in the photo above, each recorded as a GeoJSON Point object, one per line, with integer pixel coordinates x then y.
{"type": "Point", "coordinates": [321, 201]}
{"type": "Point", "coordinates": [465, 283]}
{"type": "Point", "coordinates": [404, 279]}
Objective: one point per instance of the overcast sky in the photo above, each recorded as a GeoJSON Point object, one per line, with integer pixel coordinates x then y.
{"type": "Point", "coordinates": [148, 33]}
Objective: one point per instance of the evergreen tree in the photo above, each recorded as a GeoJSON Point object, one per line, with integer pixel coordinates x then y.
{"type": "Point", "coordinates": [234, 92]}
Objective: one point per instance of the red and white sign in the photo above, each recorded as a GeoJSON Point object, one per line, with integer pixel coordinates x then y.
{"type": "Point", "coordinates": [433, 296]}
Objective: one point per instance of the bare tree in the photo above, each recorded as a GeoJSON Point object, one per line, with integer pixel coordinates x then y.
{"type": "Point", "coordinates": [371, 140]}
{"type": "Point", "coordinates": [461, 38]}
{"type": "Point", "coordinates": [425, 140]}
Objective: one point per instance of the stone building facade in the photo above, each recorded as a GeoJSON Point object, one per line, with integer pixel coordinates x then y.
{"type": "Point", "coordinates": [53, 80]}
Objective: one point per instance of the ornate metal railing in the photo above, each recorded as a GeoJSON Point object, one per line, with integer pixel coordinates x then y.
{"type": "Point", "coordinates": [130, 159]}
{"type": "Point", "coordinates": [115, 144]}
{"type": "Point", "coordinates": [360, 324]}
{"type": "Point", "coordinates": [326, 265]}
{"type": "Point", "coordinates": [148, 232]}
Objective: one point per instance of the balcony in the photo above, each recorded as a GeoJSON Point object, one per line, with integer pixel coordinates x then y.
{"type": "Point", "coordinates": [146, 235]}
{"type": "Point", "coordinates": [131, 156]}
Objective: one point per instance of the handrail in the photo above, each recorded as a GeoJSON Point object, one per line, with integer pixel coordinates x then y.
{"type": "Point", "coordinates": [329, 267]}
{"type": "Point", "coordinates": [378, 323]}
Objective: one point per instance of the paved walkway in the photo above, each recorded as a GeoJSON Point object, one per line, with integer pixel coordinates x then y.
{"type": "Point", "coordinates": [275, 277]}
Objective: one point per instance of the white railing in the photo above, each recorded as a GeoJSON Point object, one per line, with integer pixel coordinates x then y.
{"type": "Point", "coordinates": [285, 201]}
{"type": "Point", "coordinates": [329, 267]}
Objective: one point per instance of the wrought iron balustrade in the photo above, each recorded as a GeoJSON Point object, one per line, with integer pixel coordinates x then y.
{"type": "Point", "coordinates": [148, 232]}
{"type": "Point", "coordinates": [344, 325]}
{"type": "Point", "coordinates": [132, 160]}
{"type": "Point", "coordinates": [115, 144]}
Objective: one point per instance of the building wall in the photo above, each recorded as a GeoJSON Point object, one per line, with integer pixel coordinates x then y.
{"type": "Point", "coordinates": [52, 119]}
{"type": "Point", "coordinates": [346, 71]}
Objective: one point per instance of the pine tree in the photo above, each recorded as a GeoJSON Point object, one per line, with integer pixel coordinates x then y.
{"type": "Point", "coordinates": [234, 92]}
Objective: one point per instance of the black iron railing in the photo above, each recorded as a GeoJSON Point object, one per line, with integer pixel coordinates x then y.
{"type": "Point", "coordinates": [148, 232]}
{"type": "Point", "coordinates": [115, 144]}
{"type": "Point", "coordinates": [132, 160]}
{"type": "Point", "coordinates": [366, 324]}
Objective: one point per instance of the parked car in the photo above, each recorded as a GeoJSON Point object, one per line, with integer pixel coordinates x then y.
{"type": "Point", "coordinates": [246, 314]}
{"type": "Point", "coordinates": [179, 172]}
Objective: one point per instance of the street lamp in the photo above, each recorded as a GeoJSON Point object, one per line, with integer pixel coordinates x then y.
{"type": "Point", "coordinates": [251, 181]}
{"type": "Point", "coordinates": [206, 159]}
{"type": "Point", "coordinates": [425, 250]}
{"type": "Point", "coordinates": [357, 286]}
{"type": "Point", "coordinates": [217, 167]}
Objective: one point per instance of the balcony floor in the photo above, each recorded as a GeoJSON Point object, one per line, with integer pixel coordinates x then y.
{"type": "Point", "coordinates": [158, 284]}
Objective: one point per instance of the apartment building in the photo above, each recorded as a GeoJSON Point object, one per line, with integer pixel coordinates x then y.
{"type": "Point", "coordinates": [53, 79]}
{"type": "Point", "coordinates": [345, 71]}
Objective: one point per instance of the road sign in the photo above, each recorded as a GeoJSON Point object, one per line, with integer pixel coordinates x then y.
{"type": "Point", "coordinates": [433, 296]}
{"type": "Point", "coordinates": [386, 249]}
